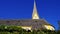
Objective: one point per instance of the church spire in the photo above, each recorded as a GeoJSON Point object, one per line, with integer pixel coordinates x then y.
{"type": "Point", "coordinates": [35, 14]}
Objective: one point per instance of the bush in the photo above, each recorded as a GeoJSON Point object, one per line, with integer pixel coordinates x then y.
{"type": "Point", "coordinates": [4, 32]}
{"type": "Point", "coordinates": [4, 29]}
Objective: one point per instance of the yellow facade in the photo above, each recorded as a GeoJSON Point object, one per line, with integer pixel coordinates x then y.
{"type": "Point", "coordinates": [49, 27]}
{"type": "Point", "coordinates": [26, 27]}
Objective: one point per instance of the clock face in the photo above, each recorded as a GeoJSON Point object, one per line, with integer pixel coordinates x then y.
{"type": "Point", "coordinates": [49, 27]}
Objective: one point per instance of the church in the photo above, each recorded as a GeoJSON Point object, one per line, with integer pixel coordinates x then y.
{"type": "Point", "coordinates": [30, 24]}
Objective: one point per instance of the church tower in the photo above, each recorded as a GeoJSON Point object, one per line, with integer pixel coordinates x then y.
{"type": "Point", "coordinates": [35, 14]}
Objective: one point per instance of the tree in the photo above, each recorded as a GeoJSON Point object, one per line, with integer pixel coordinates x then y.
{"type": "Point", "coordinates": [59, 25]}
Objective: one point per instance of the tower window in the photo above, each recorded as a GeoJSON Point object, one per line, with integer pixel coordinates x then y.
{"type": "Point", "coordinates": [36, 21]}
{"type": "Point", "coordinates": [18, 20]}
{"type": "Point", "coordinates": [8, 21]}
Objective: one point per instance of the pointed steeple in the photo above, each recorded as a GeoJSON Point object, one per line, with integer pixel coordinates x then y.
{"type": "Point", "coordinates": [35, 14]}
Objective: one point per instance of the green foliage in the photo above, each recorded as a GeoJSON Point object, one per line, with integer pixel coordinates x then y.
{"type": "Point", "coordinates": [4, 29]}
{"type": "Point", "coordinates": [4, 32]}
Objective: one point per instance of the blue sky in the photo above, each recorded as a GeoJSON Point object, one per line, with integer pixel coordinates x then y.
{"type": "Point", "coordinates": [22, 9]}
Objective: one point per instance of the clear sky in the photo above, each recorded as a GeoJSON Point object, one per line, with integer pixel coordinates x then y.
{"type": "Point", "coordinates": [22, 9]}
